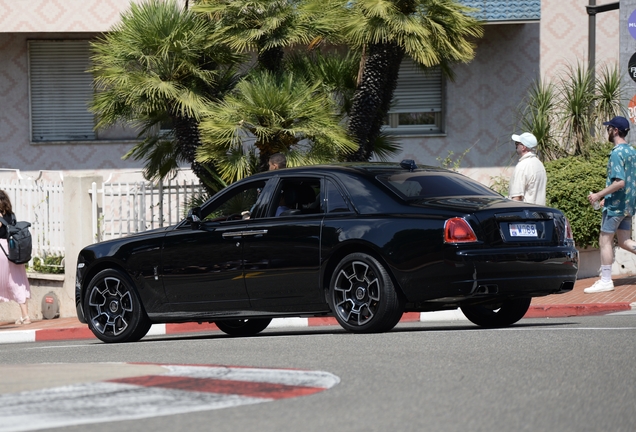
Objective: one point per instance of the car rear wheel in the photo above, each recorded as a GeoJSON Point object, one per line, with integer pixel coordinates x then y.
{"type": "Point", "coordinates": [363, 297]}
{"type": "Point", "coordinates": [243, 327]}
{"type": "Point", "coordinates": [113, 310]}
{"type": "Point", "coordinates": [501, 314]}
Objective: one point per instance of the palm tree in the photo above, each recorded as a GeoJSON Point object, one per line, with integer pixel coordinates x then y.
{"type": "Point", "coordinates": [539, 115]}
{"type": "Point", "coordinates": [577, 106]}
{"type": "Point", "coordinates": [609, 96]}
{"type": "Point", "coordinates": [265, 27]}
{"type": "Point", "coordinates": [431, 32]}
{"type": "Point", "coordinates": [157, 69]}
{"type": "Point", "coordinates": [272, 113]}
{"type": "Point", "coordinates": [271, 27]}
{"type": "Point", "coordinates": [338, 75]}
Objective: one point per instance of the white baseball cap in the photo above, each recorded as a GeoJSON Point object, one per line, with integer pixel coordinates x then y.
{"type": "Point", "coordinates": [526, 138]}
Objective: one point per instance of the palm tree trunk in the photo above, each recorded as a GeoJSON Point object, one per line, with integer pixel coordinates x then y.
{"type": "Point", "coordinates": [271, 60]}
{"type": "Point", "coordinates": [189, 139]}
{"type": "Point", "coordinates": [372, 98]}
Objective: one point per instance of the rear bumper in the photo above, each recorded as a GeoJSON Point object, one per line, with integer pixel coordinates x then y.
{"type": "Point", "coordinates": [475, 274]}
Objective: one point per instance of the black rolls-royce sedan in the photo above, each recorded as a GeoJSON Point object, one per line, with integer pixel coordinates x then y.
{"type": "Point", "coordinates": [361, 242]}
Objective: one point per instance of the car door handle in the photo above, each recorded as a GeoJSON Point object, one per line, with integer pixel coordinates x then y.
{"type": "Point", "coordinates": [255, 232]}
{"type": "Point", "coordinates": [235, 234]}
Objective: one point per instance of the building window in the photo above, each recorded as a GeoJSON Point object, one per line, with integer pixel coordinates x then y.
{"type": "Point", "coordinates": [417, 101]}
{"type": "Point", "coordinates": [60, 89]}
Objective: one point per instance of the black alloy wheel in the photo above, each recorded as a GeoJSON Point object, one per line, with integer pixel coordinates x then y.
{"type": "Point", "coordinates": [503, 313]}
{"type": "Point", "coordinates": [363, 297]}
{"type": "Point", "coordinates": [243, 327]}
{"type": "Point", "coordinates": [113, 310]}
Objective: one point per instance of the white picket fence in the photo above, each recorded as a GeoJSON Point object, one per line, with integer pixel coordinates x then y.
{"type": "Point", "coordinates": [119, 208]}
{"type": "Point", "coordinates": [133, 207]}
{"type": "Point", "coordinates": [40, 202]}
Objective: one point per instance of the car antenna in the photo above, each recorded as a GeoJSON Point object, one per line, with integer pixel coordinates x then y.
{"type": "Point", "coordinates": [408, 164]}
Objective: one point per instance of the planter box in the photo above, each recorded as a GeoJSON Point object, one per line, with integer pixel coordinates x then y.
{"type": "Point", "coordinates": [41, 284]}
{"type": "Point", "coordinates": [624, 262]}
{"type": "Point", "coordinates": [590, 263]}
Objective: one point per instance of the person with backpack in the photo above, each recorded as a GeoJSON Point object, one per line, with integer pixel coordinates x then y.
{"type": "Point", "coordinates": [14, 284]}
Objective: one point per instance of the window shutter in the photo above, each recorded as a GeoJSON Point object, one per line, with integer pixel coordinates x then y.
{"type": "Point", "coordinates": [417, 91]}
{"type": "Point", "coordinates": [60, 90]}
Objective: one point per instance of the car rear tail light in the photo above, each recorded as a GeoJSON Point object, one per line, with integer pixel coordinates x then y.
{"type": "Point", "coordinates": [568, 230]}
{"type": "Point", "coordinates": [457, 230]}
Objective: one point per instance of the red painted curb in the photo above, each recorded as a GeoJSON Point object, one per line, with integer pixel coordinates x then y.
{"type": "Point", "coordinates": [549, 311]}
{"type": "Point", "coordinates": [327, 321]}
{"type": "Point", "coordinates": [189, 327]}
{"type": "Point", "coordinates": [63, 334]}
{"type": "Point", "coordinates": [535, 311]}
{"type": "Point", "coordinates": [322, 321]}
{"type": "Point", "coordinates": [258, 389]}
{"type": "Point", "coordinates": [410, 317]}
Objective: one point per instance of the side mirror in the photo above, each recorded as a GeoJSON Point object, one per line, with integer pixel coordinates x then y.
{"type": "Point", "coordinates": [194, 217]}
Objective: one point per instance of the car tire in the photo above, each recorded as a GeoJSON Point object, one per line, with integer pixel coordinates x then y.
{"type": "Point", "coordinates": [501, 314]}
{"type": "Point", "coordinates": [362, 295]}
{"type": "Point", "coordinates": [113, 310]}
{"type": "Point", "coordinates": [243, 327]}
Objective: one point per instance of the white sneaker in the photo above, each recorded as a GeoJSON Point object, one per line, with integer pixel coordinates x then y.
{"type": "Point", "coordinates": [599, 287]}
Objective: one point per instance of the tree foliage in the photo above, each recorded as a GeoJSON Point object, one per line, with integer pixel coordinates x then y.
{"type": "Point", "coordinates": [268, 114]}
{"type": "Point", "coordinates": [156, 68]}
{"type": "Point", "coordinates": [431, 32]}
{"type": "Point", "coordinates": [171, 71]}
{"type": "Point", "coordinates": [567, 114]}
{"type": "Point", "coordinates": [264, 27]}
{"type": "Point", "coordinates": [570, 180]}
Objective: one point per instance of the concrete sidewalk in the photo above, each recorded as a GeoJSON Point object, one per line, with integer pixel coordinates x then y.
{"type": "Point", "coordinates": [574, 303]}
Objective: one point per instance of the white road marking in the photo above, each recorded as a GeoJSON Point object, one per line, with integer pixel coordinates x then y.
{"type": "Point", "coordinates": [183, 389]}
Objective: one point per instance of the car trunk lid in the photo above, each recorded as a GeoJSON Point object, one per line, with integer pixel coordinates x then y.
{"type": "Point", "coordinates": [501, 222]}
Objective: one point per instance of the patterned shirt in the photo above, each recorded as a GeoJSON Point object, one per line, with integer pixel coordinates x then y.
{"type": "Point", "coordinates": [621, 166]}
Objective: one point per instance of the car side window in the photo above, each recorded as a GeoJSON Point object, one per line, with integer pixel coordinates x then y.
{"type": "Point", "coordinates": [296, 196]}
{"type": "Point", "coordinates": [335, 203]}
{"type": "Point", "coordinates": [234, 205]}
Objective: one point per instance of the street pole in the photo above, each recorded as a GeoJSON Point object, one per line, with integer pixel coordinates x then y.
{"type": "Point", "coordinates": [592, 10]}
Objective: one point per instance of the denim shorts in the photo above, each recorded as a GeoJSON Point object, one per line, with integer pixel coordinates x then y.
{"type": "Point", "coordinates": [609, 224]}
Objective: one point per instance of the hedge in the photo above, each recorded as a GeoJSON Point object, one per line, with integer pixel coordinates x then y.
{"type": "Point", "coordinates": [570, 180]}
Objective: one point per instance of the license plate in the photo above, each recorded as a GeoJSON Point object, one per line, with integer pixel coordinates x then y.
{"type": "Point", "coordinates": [523, 230]}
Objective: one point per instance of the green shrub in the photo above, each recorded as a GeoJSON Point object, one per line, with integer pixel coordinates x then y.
{"type": "Point", "coordinates": [570, 180]}
{"type": "Point", "coordinates": [500, 184]}
{"type": "Point", "coordinates": [52, 264]}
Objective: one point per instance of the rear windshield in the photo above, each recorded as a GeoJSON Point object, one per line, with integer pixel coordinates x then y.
{"type": "Point", "coordinates": [422, 184]}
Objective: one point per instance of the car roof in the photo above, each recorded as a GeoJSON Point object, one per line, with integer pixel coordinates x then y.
{"type": "Point", "coordinates": [367, 169]}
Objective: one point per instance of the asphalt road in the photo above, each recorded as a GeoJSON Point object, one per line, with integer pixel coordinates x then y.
{"type": "Point", "coordinates": [569, 374]}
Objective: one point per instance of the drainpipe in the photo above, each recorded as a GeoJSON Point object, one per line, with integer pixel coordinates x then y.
{"type": "Point", "coordinates": [592, 10]}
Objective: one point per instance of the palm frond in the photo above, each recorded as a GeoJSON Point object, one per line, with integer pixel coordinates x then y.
{"type": "Point", "coordinates": [609, 97]}
{"type": "Point", "coordinates": [538, 116]}
{"type": "Point", "coordinates": [157, 66]}
{"type": "Point", "coordinates": [268, 114]}
{"type": "Point", "coordinates": [577, 105]}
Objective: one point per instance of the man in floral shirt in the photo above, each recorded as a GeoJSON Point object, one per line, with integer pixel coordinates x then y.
{"type": "Point", "coordinates": [619, 199]}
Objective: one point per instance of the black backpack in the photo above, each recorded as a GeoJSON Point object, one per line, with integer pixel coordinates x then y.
{"type": "Point", "coordinates": [19, 241]}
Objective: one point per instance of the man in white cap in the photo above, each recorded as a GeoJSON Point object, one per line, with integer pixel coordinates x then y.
{"type": "Point", "coordinates": [528, 179]}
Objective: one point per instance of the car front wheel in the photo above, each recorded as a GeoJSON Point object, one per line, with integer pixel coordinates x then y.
{"type": "Point", "coordinates": [500, 314]}
{"type": "Point", "coordinates": [363, 297]}
{"type": "Point", "coordinates": [113, 310]}
{"type": "Point", "coordinates": [243, 327]}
